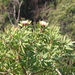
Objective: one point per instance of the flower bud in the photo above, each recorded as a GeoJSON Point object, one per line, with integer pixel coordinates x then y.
{"type": "Point", "coordinates": [25, 22]}
{"type": "Point", "coordinates": [43, 23]}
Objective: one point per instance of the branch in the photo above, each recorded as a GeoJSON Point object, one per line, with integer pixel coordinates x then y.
{"type": "Point", "coordinates": [20, 3]}
{"type": "Point", "coordinates": [58, 72]}
{"type": "Point", "coordinates": [14, 14]}
{"type": "Point", "coordinates": [24, 70]}
{"type": "Point", "coordinates": [10, 19]}
{"type": "Point", "coordinates": [38, 72]}
{"type": "Point", "coordinates": [11, 58]}
{"type": "Point", "coordinates": [3, 73]}
{"type": "Point", "coordinates": [6, 57]}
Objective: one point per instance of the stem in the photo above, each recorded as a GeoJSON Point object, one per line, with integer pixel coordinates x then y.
{"type": "Point", "coordinates": [3, 73]}
{"type": "Point", "coordinates": [58, 71]}
{"type": "Point", "coordinates": [24, 70]}
{"type": "Point", "coordinates": [20, 3]}
{"type": "Point", "coordinates": [11, 58]}
{"type": "Point", "coordinates": [10, 19]}
{"type": "Point", "coordinates": [14, 12]}
{"type": "Point", "coordinates": [38, 72]}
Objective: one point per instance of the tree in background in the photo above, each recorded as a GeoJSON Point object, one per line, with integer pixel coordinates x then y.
{"type": "Point", "coordinates": [14, 11]}
{"type": "Point", "coordinates": [10, 10]}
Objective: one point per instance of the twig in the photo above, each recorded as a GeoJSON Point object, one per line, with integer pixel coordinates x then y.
{"type": "Point", "coordinates": [24, 70]}
{"type": "Point", "coordinates": [14, 12]}
{"type": "Point", "coordinates": [11, 58]}
{"type": "Point", "coordinates": [58, 71]}
{"type": "Point", "coordinates": [6, 57]}
{"type": "Point", "coordinates": [10, 19]}
{"type": "Point", "coordinates": [3, 73]}
{"type": "Point", "coordinates": [38, 72]}
{"type": "Point", "coordinates": [19, 3]}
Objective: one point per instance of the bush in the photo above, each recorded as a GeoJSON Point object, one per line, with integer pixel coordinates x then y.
{"type": "Point", "coordinates": [40, 50]}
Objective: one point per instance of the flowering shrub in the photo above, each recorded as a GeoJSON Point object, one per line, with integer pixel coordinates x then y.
{"type": "Point", "coordinates": [32, 51]}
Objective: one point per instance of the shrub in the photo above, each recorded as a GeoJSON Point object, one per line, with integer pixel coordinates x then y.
{"type": "Point", "coordinates": [41, 50]}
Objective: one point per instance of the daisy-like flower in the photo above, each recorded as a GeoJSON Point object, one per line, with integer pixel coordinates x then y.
{"type": "Point", "coordinates": [43, 23]}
